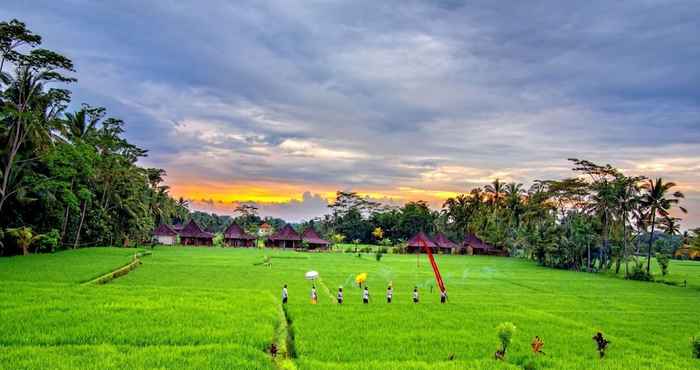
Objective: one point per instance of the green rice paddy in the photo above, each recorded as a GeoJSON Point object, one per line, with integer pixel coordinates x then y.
{"type": "Point", "coordinates": [214, 308]}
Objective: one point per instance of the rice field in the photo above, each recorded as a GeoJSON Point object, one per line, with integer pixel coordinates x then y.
{"type": "Point", "coordinates": [214, 308]}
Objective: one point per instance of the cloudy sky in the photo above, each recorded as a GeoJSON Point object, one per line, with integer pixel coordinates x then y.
{"type": "Point", "coordinates": [283, 103]}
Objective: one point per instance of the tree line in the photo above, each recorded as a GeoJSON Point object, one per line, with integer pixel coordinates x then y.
{"type": "Point", "coordinates": [597, 220]}
{"type": "Point", "coordinates": [67, 178]}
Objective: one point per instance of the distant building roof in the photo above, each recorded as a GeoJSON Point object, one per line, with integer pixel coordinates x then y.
{"type": "Point", "coordinates": [443, 242]}
{"type": "Point", "coordinates": [285, 233]}
{"type": "Point", "coordinates": [164, 230]}
{"type": "Point", "coordinates": [419, 240]}
{"type": "Point", "coordinates": [234, 231]}
{"type": "Point", "coordinates": [192, 230]}
{"type": "Point", "coordinates": [311, 236]}
{"type": "Point", "coordinates": [476, 243]}
{"type": "Point", "coordinates": [177, 226]}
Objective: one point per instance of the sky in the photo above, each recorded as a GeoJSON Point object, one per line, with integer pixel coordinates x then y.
{"type": "Point", "coordinates": [282, 103]}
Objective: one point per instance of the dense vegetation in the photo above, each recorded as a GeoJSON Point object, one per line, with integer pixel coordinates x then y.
{"type": "Point", "coordinates": [68, 178]}
{"type": "Point", "coordinates": [220, 308]}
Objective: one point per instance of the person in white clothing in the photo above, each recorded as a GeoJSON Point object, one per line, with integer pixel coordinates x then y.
{"type": "Point", "coordinates": [415, 295]}
{"type": "Point", "coordinates": [284, 294]}
{"type": "Point", "coordinates": [365, 295]}
{"type": "Point", "coordinates": [389, 294]}
{"type": "Point", "coordinates": [340, 295]}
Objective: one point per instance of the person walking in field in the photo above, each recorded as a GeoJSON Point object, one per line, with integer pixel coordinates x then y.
{"type": "Point", "coordinates": [314, 295]}
{"type": "Point", "coordinates": [443, 296]}
{"type": "Point", "coordinates": [389, 294]}
{"type": "Point", "coordinates": [340, 295]}
{"type": "Point", "coordinates": [415, 295]}
{"type": "Point", "coordinates": [365, 295]}
{"type": "Point", "coordinates": [285, 295]}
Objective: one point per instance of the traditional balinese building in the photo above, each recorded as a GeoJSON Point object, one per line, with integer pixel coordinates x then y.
{"type": "Point", "coordinates": [286, 237]}
{"type": "Point", "coordinates": [177, 227]}
{"type": "Point", "coordinates": [445, 245]}
{"type": "Point", "coordinates": [193, 234]}
{"type": "Point", "coordinates": [235, 236]}
{"type": "Point", "coordinates": [314, 241]}
{"type": "Point", "coordinates": [474, 245]}
{"type": "Point", "coordinates": [165, 235]}
{"type": "Point", "coordinates": [416, 243]}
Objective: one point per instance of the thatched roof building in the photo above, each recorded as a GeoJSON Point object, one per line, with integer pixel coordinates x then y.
{"type": "Point", "coordinates": [193, 234]}
{"type": "Point", "coordinates": [165, 234]}
{"type": "Point", "coordinates": [475, 245]}
{"type": "Point", "coordinates": [286, 237]}
{"type": "Point", "coordinates": [235, 236]}
{"type": "Point", "coordinates": [445, 244]}
{"type": "Point", "coordinates": [416, 243]}
{"type": "Point", "coordinates": [311, 237]}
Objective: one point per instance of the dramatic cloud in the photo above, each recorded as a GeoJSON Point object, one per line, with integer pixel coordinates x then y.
{"type": "Point", "coordinates": [283, 103]}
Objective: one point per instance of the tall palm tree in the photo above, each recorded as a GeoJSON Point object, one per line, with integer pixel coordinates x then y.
{"type": "Point", "coordinates": [82, 124]}
{"type": "Point", "coordinates": [495, 191]}
{"type": "Point", "coordinates": [656, 198]}
{"type": "Point", "coordinates": [603, 204]}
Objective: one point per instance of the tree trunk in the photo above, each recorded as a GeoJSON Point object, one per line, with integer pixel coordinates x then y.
{"type": "Point", "coordinates": [651, 238]}
{"type": "Point", "coordinates": [588, 262]}
{"type": "Point", "coordinates": [80, 226]}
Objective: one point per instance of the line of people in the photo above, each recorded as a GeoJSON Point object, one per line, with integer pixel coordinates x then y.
{"type": "Point", "coordinates": [365, 295]}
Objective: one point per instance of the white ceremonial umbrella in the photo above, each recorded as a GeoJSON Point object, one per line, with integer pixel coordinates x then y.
{"type": "Point", "coordinates": [311, 275]}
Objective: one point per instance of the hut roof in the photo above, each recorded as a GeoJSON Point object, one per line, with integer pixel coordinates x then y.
{"type": "Point", "coordinates": [476, 243]}
{"type": "Point", "coordinates": [234, 231]}
{"type": "Point", "coordinates": [311, 236]}
{"type": "Point", "coordinates": [164, 230]}
{"type": "Point", "coordinates": [443, 242]}
{"type": "Point", "coordinates": [285, 233]}
{"type": "Point", "coordinates": [192, 230]}
{"type": "Point", "coordinates": [177, 226]}
{"type": "Point", "coordinates": [418, 240]}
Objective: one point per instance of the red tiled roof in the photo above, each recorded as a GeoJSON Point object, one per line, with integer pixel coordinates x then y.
{"type": "Point", "coordinates": [192, 230]}
{"type": "Point", "coordinates": [443, 242]}
{"type": "Point", "coordinates": [418, 240]}
{"type": "Point", "coordinates": [236, 232]}
{"type": "Point", "coordinates": [310, 236]}
{"type": "Point", "coordinates": [164, 230]}
{"type": "Point", "coordinates": [285, 233]}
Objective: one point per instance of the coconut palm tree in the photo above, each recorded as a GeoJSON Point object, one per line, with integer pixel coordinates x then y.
{"type": "Point", "coordinates": [659, 201]}
{"type": "Point", "coordinates": [495, 191]}
{"type": "Point", "coordinates": [670, 225]}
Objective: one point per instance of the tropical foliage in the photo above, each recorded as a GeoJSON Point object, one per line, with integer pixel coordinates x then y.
{"type": "Point", "coordinates": [70, 173]}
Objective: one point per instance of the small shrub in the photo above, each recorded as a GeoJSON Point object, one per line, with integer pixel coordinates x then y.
{"type": "Point", "coordinates": [505, 332]}
{"type": "Point", "coordinates": [378, 256]}
{"type": "Point", "coordinates": [663, 261]}
{"type": "Point", "coordinates": [639, 272]}
{"type": "Point", "coordinates": [695, 343]}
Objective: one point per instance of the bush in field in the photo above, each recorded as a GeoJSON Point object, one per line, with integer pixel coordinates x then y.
{"type": "Point", "coordinates": [663, 261]}
{"type": "Point", "coordinates": [639, 272]}
{"type": "Point", "coordinates": [48, 242]}
{"type": "Point", "coordinates": [218, 240]}
{"type": "Point", "coordinates": [505, 332]}
{"type": "Point", "coordinates": [378, 256]}
{"type": "Point", "coordinates": [695, 343]}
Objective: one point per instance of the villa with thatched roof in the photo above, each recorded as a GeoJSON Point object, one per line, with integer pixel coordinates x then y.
{"type": "Point", "coordinates": [235, 236]}
{"type": "Point", "coordinates": [165, 235]}
{"type": "Point", "coordinates": [314, 241]}
{"type": "Point", "coordinates": [416, 243]}
{"type": "Point", "coordinates": [444, 244]}
{"type": "Point", "coordinates": [475, 245]}
{"type": "Point", "coordinates": [193, 234]}
{"type": "Point", "coordinates": [286, 237]}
